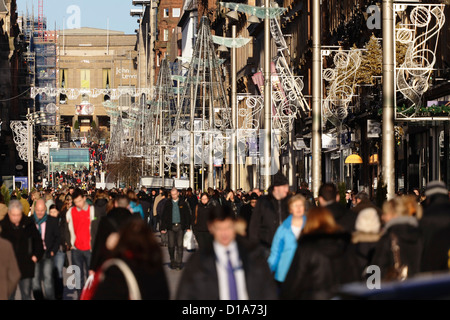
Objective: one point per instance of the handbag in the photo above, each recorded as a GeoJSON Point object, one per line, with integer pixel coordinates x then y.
{"type": "Point", "coordinates": [93, 280]}
{"type": "Point", "coordinates": [399, 271]}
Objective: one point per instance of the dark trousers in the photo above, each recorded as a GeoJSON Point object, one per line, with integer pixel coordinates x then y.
{"type": "Point", "coordinates": [175, 245]}
{"type": "Point", "coordinates": [82, 259]}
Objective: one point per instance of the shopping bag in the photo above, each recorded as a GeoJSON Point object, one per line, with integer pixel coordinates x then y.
{"type": "Point", "coordinates": [89, 287]}
{"type": "Point", "coordinates": [189, 241]}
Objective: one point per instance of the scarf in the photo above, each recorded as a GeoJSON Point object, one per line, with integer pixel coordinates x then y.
{"type": "Point", "coordinates": [41, 221]}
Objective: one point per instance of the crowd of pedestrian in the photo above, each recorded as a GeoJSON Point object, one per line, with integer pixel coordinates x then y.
{"type": "Point", "coordinates": [250, 245]}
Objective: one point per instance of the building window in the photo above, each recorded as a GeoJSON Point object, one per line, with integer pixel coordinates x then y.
{"type": "Point", "coordinates": [157, 60]}
{"type": "Point", "coordinates": [176, 12]}
{"type": "Point", "coordinates": [166, 13]}
{"type": "Point", "coordinates": [166, 35]}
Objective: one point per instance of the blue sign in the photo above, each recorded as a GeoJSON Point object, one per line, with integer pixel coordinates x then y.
{"type": "Point", "coordinates": [21, 182]}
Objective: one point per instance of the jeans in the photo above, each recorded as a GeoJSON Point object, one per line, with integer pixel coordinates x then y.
{"type": "Point", "coordinates": [59, 260]}
{"type": "Point", "coordinates": [43, 287]}
{"type": "Point", "coordinates": [25, 289]}
{"type": "Point", "coordinates": [82, 259]}
{"type": "Point", "coordinates": [175, 244]}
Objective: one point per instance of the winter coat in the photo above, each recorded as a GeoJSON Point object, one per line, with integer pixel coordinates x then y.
{"type": "Point", "coordinates": [185, 215]}
{"type": "Point", "coordinates": [9, 270]}
{"type": "Point", "coordinates": [192, 202]}
{"type": "Point", "coordinates": [26, 242]}
{"type": "Point", "coordinates": [246, 213]}
{"type": "Point", "coordinates": [152, 285]}
{"type": "Point", "coordinates": [410, 242]}
{"type": "Point", "coordinates": [436, 217]}
{"type": "Point", "coordinates": [267, 216]}
{"type": "Point", "coordinates": [100, 211]}
{"type": "Point", "coordinates": [321, 264]}
{"type": "Point", "coordinates": [436, 257]}
{"type": "Point", "coordinates": [234, 206]}
{"type": "Point", "coordinates": [283, 248]}
{"type": "Point", "coordinates": [112, 222]}
{"type": "Point", "coordinates": [200, 217]}
{"type": "Point", "coordinates": [134, 207]}
{"type": "Point", "coordinates": [52, 238]}
{"type": "Point", "coordinates": [364, 244]}
{"type": "Point", "coordinates": [199, 280]}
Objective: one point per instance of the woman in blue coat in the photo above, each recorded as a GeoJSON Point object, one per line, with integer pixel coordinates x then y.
{"type": "Point", "coordinates": [284, 242]}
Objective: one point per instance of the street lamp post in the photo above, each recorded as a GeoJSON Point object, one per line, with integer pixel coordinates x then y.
{"type": "Point", "coordinates": [267, 99]}
{"type": "Point", "coordinates": [388, 157]}
{"type": "Point", "coordinates": [32, 119]}
{"type": "Point", "coordinates": [316, 99]}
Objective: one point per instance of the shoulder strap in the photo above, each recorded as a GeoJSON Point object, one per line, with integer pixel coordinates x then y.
{"type": "Point", "coordinates": [196, 213]}
{"type": "Point", "coordinates": [133, 287]}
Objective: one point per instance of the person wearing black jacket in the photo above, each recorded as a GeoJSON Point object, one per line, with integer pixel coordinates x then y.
{"type": "Point", "coordinates": [207, 272]}
{"type": "Point", "coordinates": [175, 220]}
{"type": "Point", "coordinates": [270, 211]}
{"type": "Point", "coordinates": [200, 220]}
{"type": "Point", "coordinates": [61, 255]}
{"type": "Point", "coordinates": [191, 199]}
{"type": "Point", "coordinates": [323, 261]}
{"type": "Point", "coordinates": [404, 230]}
{"type": "Point", "coordinates": [329, 198]}
{"type": "Point", "coordinates": [139, 250]}
{"type": "Point", "coordinates": [112, 222]}
{"type": "Point", "coordinates": [21, 231]}
{"type": "Point", "coordinates": [146, 203]}
{"type": "Point", "coordinates": [48, 227]}
{"type": "Point", "coordinates": [433, 224]}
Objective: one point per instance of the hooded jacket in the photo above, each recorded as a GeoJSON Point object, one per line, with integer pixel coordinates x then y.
{"type": "Point", "coordinates": [321, 264]}
{"type": "Point", "coordinates": [410, 241]}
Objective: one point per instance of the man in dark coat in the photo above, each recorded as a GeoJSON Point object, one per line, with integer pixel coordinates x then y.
{"type": "Point", "coordinates": [329, 198]}
{"type": "Point", "coordinates": [21, 231]}
{"type": "Point", "coordinates": [175, 220]}
{"type": "Point", "coordinates": [228, 268]}
{"type": "Point", "coordinates": [436, 218]}
{"type": "Point", "coordinates": [270, 212]}
{"type": "Point", "coordinates": [48, 228]}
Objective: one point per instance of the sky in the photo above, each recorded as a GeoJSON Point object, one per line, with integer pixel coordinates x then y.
{"type": "Point", "coordinates": [70, 14]}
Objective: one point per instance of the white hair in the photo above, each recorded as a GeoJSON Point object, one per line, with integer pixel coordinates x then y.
{"type": "Point", "coordinates": [15, 204]}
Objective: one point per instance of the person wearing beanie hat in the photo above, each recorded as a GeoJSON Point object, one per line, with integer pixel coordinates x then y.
{"type": "Point", "coordinates": [270, 212]}
{"type": "Point", "coordinates": [436, 218]}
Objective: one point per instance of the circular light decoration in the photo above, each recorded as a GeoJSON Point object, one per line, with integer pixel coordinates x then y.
{"type": "Point", "coordinates": [51, 108]}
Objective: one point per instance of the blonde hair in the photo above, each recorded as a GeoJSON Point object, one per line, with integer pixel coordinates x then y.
{"type": "Point", "coordinates": [297, 197]}
{"type": "Point", "coordinates": [396, 206]}
{"type": "Point", "coordinates": [320, 219]}
{"type": "Point", "coordinates": [414, 209]}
